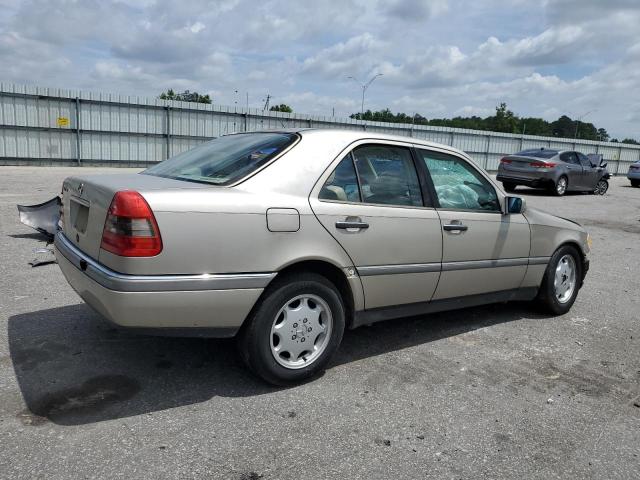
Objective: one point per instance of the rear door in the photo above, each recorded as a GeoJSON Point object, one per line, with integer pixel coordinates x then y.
{"type": "Point", "coordinates": [574, 170]}
{"type": "Point", "coordinates": [483, 250]}
{"type": "Point", "coordinates": [372, 203]}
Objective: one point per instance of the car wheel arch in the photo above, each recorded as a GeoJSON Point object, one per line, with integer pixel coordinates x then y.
{"type": "Point", "coordinates": [328, 270]}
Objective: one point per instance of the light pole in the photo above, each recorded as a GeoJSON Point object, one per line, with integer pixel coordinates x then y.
{"type": "Point", "coordinates": [364, 87]}
{"type": "Point", "coordinates": [575, 136]}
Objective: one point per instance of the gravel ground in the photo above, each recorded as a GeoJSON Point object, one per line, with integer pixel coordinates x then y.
{"type": "Point", "coordinates": [495, 392]}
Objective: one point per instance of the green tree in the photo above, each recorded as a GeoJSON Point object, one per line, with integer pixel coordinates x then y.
{"type": "Point", "coordinates": [631, 141]}
{"type": "Point", "coordinates": [504, 120]}
{"type": "Point", "coordinates": [603, 136]}
{"type": "Point", "coordinates": [281, 108]}
{"type": "Point", "coordinates": [185, 96]}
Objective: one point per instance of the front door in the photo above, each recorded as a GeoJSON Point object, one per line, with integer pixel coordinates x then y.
{"type": "Point", "coordinates": [483, 250]}
{"type": "Point", "coordinates": [574, 170]}
{"type": "Point", "coordinates": [373, 205]}
{"type": "Point", "coordinates": [591, 173]}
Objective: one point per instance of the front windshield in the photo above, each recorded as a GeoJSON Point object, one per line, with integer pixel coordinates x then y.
{"type": "Point", "coordinates": [224, 160]}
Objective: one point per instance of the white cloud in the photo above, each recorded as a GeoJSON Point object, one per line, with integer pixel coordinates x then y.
{"type": "Point", "coordinates": [438, 57]}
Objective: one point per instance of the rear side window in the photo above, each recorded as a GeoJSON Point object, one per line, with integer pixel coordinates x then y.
{"type": "Point", "coordinates": [387, 175]}
{"type": "Point", "coordinates": [342, 184]}
{"type": "Point", "coordinates": [224, 160]}
{"type": "Point", "coordinates": [458, 185]}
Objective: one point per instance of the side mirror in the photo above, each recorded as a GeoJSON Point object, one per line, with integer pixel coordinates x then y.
{"type": "Point", "coordinates": [514, 205]}
{"type": "Point", "coordinates": [603, 165]}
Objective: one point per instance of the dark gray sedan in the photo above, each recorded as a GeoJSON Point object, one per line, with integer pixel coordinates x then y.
{"type": "Point", "coordinates": [556, 170]}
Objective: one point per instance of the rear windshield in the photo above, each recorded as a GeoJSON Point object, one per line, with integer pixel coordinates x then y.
{"type": "Point", "coordinates": [224, 160]}
{"type": "Point", "coordinates": [538, 153]}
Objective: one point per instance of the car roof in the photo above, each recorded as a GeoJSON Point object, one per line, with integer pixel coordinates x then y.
{"type": "Point", "coordinates": [350, 136]}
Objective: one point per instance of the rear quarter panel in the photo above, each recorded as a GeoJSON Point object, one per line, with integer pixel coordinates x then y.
{"type": "Point", "coordinates": [226, 232]}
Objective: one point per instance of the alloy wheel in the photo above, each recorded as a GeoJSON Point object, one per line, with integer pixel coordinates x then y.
{"type": "Point", "coordinates": [561, 186]}
{"type": "Point", "coordinates": [602, 187]}
{"type": "Point", "coordinates": [301, 331]}
{"type": "Point", "coordinates": [565, 279]}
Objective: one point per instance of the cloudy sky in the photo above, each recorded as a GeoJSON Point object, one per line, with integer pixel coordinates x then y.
{"type": "Point", "coordinates": [439, 58]}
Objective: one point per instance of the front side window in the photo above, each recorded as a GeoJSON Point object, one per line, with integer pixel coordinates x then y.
{"type": "Point", "coordinates": [387, 175]}
{"type": "Point", "coordinates": [458, 185]}
{"type": "Point", "coordinates": [342, 184]}
{"type": "Point", "coordinates": [224, 160]}
{"type": "Point", "coordinates": [584, 160]}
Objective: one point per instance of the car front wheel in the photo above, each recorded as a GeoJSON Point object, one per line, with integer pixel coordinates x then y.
{"type": "Point", "coordinates": [561, 281]}
{"type": "Point", "coordinates": [635, 183]}
{"type": "Point", "coordinates": [602, 187]}
{"type": "Point", "coordinates": [294, 330]}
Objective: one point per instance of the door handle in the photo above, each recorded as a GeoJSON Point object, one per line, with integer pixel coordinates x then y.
{"type": "Point", "coordinates": [352, 224]}
{"type": "Point", "coordinates": [455, 227]}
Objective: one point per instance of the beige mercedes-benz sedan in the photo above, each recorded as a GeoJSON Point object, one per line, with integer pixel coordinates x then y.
{"type": "Point", "coordinates": [286, 238]}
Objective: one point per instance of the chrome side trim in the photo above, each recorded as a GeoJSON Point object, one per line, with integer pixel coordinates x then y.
{"type": "Point", "coordinates": [539, 260]}
{"type": "Point", "coordinates": [449, 266]}
{"type": "Point", "coordinates": [474, 264]}
{"type": "Point", "coordinates": [156, 283]}
{"type": "Point", "coordinates": [398, 269]}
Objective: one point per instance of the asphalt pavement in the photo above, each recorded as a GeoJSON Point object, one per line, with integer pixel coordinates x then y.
{"type": "Point", "coordinates": [493, 392]}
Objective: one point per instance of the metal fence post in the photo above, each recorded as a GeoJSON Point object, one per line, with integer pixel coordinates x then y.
{"type": "Point", "coordinates": [78, 152]}
{"type": "Point", "coordinates": [168, 109]}
{"type": "Point", "coordinates": [487, 151]}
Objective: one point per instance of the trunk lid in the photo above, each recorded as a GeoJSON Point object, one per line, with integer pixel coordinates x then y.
{"type": "Point", "coordinates": [517, 163]}
{"type": "Point", "coordinates": [86, 200]}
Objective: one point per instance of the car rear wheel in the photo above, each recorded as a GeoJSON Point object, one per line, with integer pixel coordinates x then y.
{"type": "Point", "coordinates": [294, 330]}
{"type": "Point", "coordinates": [561, 281]}
{"type": "Point", "coordinates": [560, 188]}
{"type": "Point", "coordinates": [601, 187]}
{"type": "Point", "coordinates": [635, 183]}
{"type": "Point", "coordinates": [509, 187]}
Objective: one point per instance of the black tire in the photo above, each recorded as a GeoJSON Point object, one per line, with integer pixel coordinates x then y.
{"type": "Point", "coordinates": [509, 187]}
{"type": "Point", "coordinates": [557, 190]}
{"type": "Point", "coordinates": [546, 299]}
{"type": "Point", "coordinates": [254, 340]}
{"type": "Point", "coordinates": [635, 183]}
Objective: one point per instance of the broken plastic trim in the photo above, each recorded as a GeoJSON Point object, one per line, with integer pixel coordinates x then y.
{"type": "Point", "coordinates": [43, 217]}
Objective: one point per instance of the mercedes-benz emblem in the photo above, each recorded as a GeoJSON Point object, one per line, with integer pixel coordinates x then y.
{"type": "Point", "coordinates": [80, 188]}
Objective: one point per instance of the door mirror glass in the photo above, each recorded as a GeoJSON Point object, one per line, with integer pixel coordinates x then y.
{"type": "Point", "coordinates": [514, 204]}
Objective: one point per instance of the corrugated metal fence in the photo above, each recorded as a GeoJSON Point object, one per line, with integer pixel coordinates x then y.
{"type": "Point", "coordinates": [49, 126]}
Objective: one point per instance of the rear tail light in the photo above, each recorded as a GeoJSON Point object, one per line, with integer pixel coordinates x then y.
{"type": "Point", "coordinates": [542, 164]}
{"type": "Point", "coordinates": [130, 229]}
{"type": "Point", "coordinates": [505, 161]}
